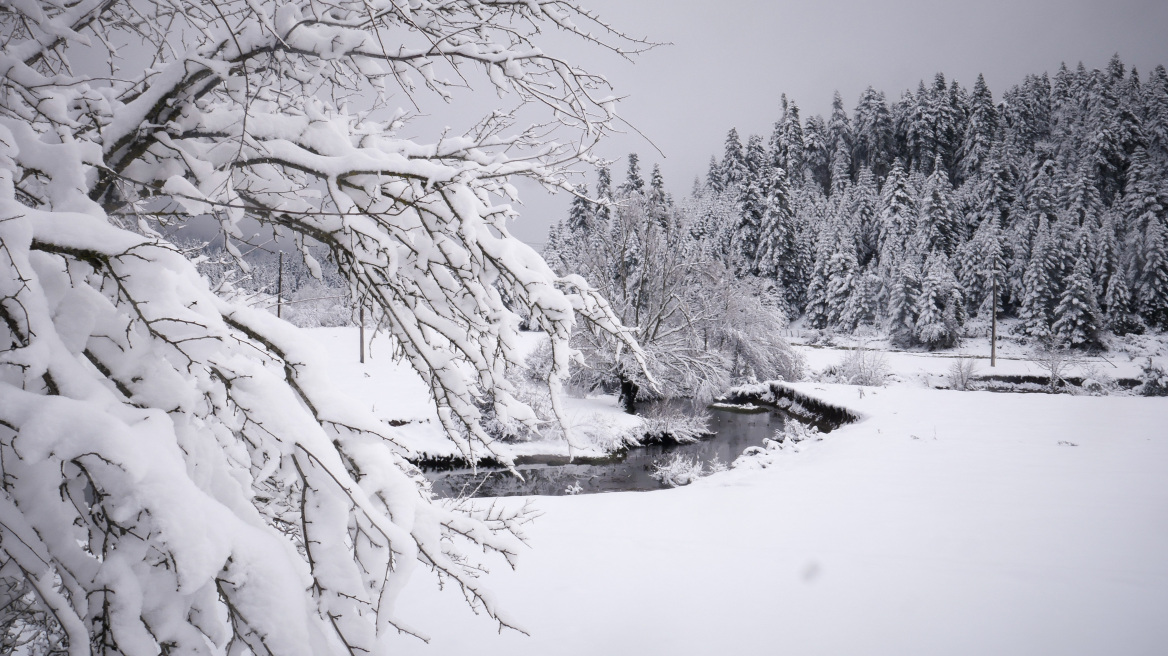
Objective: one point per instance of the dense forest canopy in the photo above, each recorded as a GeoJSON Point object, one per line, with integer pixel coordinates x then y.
{"type": "Point", "coordinates": [904, 214]}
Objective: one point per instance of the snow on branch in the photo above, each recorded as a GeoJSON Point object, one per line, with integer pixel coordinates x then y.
{"type": "Point", "coordinates": [174, 473]}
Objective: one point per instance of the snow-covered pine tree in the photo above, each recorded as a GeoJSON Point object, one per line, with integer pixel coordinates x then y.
{"type": "Point", "coordinates": [1122, 319]}
{"type": "Point", "coordinates": [1077, 319]}
{"type": "Point", "coordinates": [872, 142]}
{"type": "Point", "coordinates": [555, 250]}
{"type": "Point", "coordinates": [714, 176]}
{"type": "Point", "coordinates": [980, 261]}
{"type": "Point", "coordinates": [581, 213]}
{"type": "Point", "coordinates": [1026, 113]}
{"type": "Point", "coordinates": [841, 271]}
{"type": "Point", "coordinates": [1039, 289]}
{"type": "Point", "coordinates": [903, 304]}
{"type": "Point", "coordinates": [839, 137]}
{"type": "Point", "coordinates": [733, 165]}
{"type": "Point", "coordinates": [898, 216]}
{"type": "Point", "coordinates": [752, 207]}
{"type": "Point", "coordinates": [818, 310]}
{"type": "Point", "coordinates": [1155, 91]}
{"type": "Point", "coordinates": [864, 214]}
{"type": "Point", "coordinates": [604, 197]}
{"type": "Point", "coordinates": [793, 147]}
{"type": "Point", "coordinates": [634, 183]}
{"type": "Point", "coordinates": [1081, 198]}
{"type": "Point", "coordinates": [918, 128]}
{"type": "Point", "coordinates": [863, 305]}
{"type": "Point", "coordinates": [777, 249]}
{"type": "Point", "coordinates": [981, 131]}
{"type": "Point", "coordinates": [659, 200]}
{"type": "Point", "coordinates": [1152, 288]}
{"type": "Point", "coordinates": [817, 153]}
{"type": "Point", "coordinates": [939, 226]}
{"type": "Point", "coordinates": [940, 305]}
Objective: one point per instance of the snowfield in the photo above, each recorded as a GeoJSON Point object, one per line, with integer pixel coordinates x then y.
{"type": "Point", "coordinates": [943, 523]}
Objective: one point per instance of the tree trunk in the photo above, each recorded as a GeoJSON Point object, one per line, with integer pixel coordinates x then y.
{"type": "Point", "coordinates": [628, 395]}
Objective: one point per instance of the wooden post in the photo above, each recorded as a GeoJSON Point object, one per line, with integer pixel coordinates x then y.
{"type": "Point", "coordinates": [280, 287]}
{"type": "Point", "coordinates": [362, 321]}
{"type": "Point", "coordinates": [994, 326]}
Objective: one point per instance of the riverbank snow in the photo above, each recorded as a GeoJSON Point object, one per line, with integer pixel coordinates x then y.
{"type": "Point", "coordinates": [943, 523]}
{"type": "Point", "coordinates": [399, 397]}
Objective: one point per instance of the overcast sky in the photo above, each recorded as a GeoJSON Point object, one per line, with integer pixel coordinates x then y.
{"type": "Point", "coordinates": [732, 59]}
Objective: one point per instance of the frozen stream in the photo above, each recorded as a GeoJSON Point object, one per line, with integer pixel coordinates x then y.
{"type": "Point", "coordinates": [733, 430]}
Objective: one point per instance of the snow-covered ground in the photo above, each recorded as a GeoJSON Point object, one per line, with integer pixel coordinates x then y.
{"type": "Point", "coordinates": [943, 523]}
{"type": "Point", "coordinates": [1125, 358]}
{"type": "Point", "coordinates": [396, 395]}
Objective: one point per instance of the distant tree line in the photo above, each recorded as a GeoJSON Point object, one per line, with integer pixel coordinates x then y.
{"type": "Point", "coordinates": [903, 215]}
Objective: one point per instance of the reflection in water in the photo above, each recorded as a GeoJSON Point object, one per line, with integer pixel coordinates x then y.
{"type": "Point", "coordinates": [733, 433]}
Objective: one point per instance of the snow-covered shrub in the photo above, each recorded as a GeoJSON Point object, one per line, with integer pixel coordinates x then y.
{"type": "Point", "coordinates": [1153, 379]}
{"type": "Point", "coordinates": [1056, 359]}
{"type": "Point", "coordinates": [677, 469]}
{"type": "Point", "coordinates": [671, 425]}
{"type": "Point", "coordinates": [785, 440]}
{"type": "Point", "coordinates": [961, 373]}
{"type": "Point", "coordinates": [862, 366]}
{"type": "Point", "coordinates": [1096, 381]}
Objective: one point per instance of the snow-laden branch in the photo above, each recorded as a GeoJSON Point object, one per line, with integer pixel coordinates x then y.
{"type": "Point", "coordinates": [174, 473]}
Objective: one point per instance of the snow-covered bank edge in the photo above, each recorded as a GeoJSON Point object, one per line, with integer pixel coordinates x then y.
{"type": "Point", "coordinates": [806, 408]}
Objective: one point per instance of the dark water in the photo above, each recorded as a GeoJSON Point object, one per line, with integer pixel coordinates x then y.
{"type": "Point", "coordinates": [734, 431]}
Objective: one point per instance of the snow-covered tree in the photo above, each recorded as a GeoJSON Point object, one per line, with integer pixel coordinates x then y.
{"type": "Point", "coordinates": [175, 475]}
{"type": "Point", "coordinates": [941, 306]}
{"type": "Point", "coordinates": [1077, 319]}
{"type": "Point", "coordinates": [939, 226]}
{"type": "Point", "coordinates": [903, 308]}
{"type": "Point", "coordinates": [700, 326]}
{"type": "Point", "coordinates": [981, 130]}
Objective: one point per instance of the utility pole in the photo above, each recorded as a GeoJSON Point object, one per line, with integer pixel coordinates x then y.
{"type": "Point", "coordinates": [362, 322]}
{"type": "Point", "coordinates": [994, 325]}
{"type": "Point", "coordinates": [280, 287]}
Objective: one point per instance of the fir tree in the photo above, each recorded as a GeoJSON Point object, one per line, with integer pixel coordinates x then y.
{"type": "Point", "coordinates": [1076, 317]}
{"type": "Point", "coordinates": [1152, 289]}
{"type": "Point", "coordinates": [898, 215]}
{"type": "Point", "coordinates": [580, 213]}
{"type": "Point", "coordinates": [903, 299]}
{"type": "Point", "coordinates": [863, 305]}
{"type": "Point", "coordinates": [793, 146]}
{"type": "Point", "coordinates": [714, 176]}
{"type": "Point", "coordinates": [839, 137]}
{"type": "Point", "coordinates": [981, 131]}
{"type": "Point", "coordinates": [941, 307]}
{"type": "Point", "coordinates": [659, 200]}
{"type": "Point", "coordinates": [1121, 319]}
{"type": "Point", "coordinates": [777, 246]}
{"type": "Point", "coordinates": [1155, 92]}
{"type": "Point", "coordinates": [864, 215]}
{"type": "Point", "coordinates": [1038, 287]}
{"type": "Point", "coordinates": [872, 141]}
{"type": "Point", "coordinates": [634, 183]}
{"type": "Point", "coordinates": [817, 153]}
{"type": "Point", "coordinates": [603, 211]}
{"type": "Point", "coordinates": [940, 228]}
{"type": "Point", "coordinates": [841, 270]}
{"type": "Point", "coordinates": [733, 166]}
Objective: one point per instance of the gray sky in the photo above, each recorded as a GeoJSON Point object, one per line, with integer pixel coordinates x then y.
{"type": "Point", "coordinates": [732, 59]}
